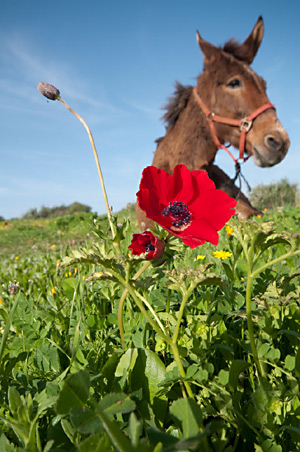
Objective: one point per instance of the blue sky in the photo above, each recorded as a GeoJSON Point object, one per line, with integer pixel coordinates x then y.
{"type": "Point", "coordinates": [115, 62]}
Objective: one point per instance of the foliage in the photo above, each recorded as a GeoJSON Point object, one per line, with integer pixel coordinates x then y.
{"type": "Point", "coordinates": [275, 195]}
{"type": "Point", "coordinates": [57, 211]}
{"type": "Point", "coordinates": [199, 354]}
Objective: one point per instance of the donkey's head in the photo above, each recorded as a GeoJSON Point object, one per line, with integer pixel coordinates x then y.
{"type": "Point", "coordinates": [231, 89]}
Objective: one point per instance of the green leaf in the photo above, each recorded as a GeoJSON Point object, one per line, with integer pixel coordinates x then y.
{"type": "Point", "coordinates": [46, 358]}
{"type": "Point", "coordinates": [237, 367]}
{"type": "Point", "coordinates": [95, 443]}
{"type": "Point", "coordinates": [188, 415]}
{"type": "Point", "coordinates": [297, 363]}
{"type": "Point", "coordinates": [5, 445]}
{"type": "Point", "coordinates": [148, 373]}
{"type": "Point", "coordinates": [269, 446]}
{"type": "Point", "coordinates": [85, 421]}
{"type": "Point", "coordinates": [14, 400]}
{"type": "Point", "coordinates": [290, 362]}
{"type": "Point", "coordinates": [68, 429]}
{"type": "Point", "coordinates": [125, 366]}
{"type": "Point", "coordinates": [69, 286]}
{"type": "Point", "coordinates": [127, 362]}
{"type": "Point", "coordinates": [228, 271]}
{"type": "Point", "coordinates": [112, 404]}
{"type": "Point", "coordinates": [120, 441]}
{"type": "Point", "coordinates": [135, 430]}
{"type": "Point", "coordinates": [263, 350]}
{"type": "Point", "coordinates": [223, 377]}
{"type": "Point", "coordinates": [74, 393]}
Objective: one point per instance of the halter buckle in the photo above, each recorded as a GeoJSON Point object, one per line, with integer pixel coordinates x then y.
{"type": "Point", "coordinates": [246, 124]}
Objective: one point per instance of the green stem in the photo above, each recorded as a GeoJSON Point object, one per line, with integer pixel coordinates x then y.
{"type": "Point", "coordinates": [164, 336]}
{"type": "Point", "coordinates": [113, 231]}
{"type": "Point", "coordinates": [275, 261]}
{"type": "Point", "coordinates": [249, 311]}
{"type": "Point", "coordinates": [250, 326]}
{"type": "Point", "coordinates": [139, 304]}
{"type": "Point", "coordinates": [158, 330]}
{"type": "Point", "coordinates": [7, 327]}
{"type": "Point", "coordinates": [168, 301]}
{"type": "Point", "coordinates": [181, 310]}
{"type": "Point", "coordinates": [146, 302]}
{"type": "Point", "coordinates": [122, 299]}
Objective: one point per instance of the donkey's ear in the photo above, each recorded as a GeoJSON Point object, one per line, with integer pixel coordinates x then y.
{"type": "Point", "coordinates": [209, 51]}
{"type": "Point", "coordinates": [249, 48]}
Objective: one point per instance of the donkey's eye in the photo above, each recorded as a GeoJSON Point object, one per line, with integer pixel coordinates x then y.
{"type": "Point", "coordinates": [234, 83]}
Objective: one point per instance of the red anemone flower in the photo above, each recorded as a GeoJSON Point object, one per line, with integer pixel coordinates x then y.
{"type": "Point", "coordinates": [187, 204]}
{"type": "Point", "coordinates": [146, 242]}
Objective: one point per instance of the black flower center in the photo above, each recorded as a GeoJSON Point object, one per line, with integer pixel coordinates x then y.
{"type": "Point", "coordinates": [149, 247]}
{"type": "Point", "coordinates": [179, 214]}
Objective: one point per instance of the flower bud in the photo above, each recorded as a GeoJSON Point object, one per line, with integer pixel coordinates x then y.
{"type": "Point", "coordinates": [12, 288]}
{"type": "Point", "coordinates": [48, 90]}
{"type": "Point", "coordinates": [146, 242]}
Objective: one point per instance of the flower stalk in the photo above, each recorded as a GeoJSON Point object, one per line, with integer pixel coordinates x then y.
{"type": "Point", "coordinates": [108, 210]}
{"type": "Point", "coordinates": [53, 93]}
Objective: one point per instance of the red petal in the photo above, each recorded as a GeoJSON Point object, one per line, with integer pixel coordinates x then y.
{"type": "Point", "coordinates": [182, 188]}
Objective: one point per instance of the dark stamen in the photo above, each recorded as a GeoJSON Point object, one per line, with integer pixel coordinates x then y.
{"type": "Point", "coordinates": [149, 247]}
{"type": "Point", "coordinates": [178, 212]}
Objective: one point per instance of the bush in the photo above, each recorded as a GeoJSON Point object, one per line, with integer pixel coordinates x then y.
{"type": "Point", "coordinates": [275, 195]}
{"type": "Point", "coordinates": [52, 212]}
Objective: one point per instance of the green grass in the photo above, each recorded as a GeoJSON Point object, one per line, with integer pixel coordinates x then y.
{"type": "Point", "coordinates": [187, 374]}
{"type": "Point", "coordinates": [21, 236]}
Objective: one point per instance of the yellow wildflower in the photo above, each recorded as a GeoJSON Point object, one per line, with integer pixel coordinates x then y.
{"type": "Point", "coordinates": [52, 247]}
{"type": "Point", "coordinates": [258, 216]}
{"type": "Point", "coordinates": [83, 277]}
{"type": "Point", "coordinates": [57, 262]}
{"type": "Point", "coordinates": [199, 257]}
{"type": "Point", "coordinates": [53, 291]}
{"type": "Point", "coordinates": [229, 230]}
{"type": "Point", "coordinates": [17, 257]}
{"type": "Point", "coordinates": [1, 301]}
{"type": "Point", "coordinates": [66, 275]}
{"type": "Point", "coordinates": [265, 209]}
{"type": "Point", "coordinates": [222, 254]}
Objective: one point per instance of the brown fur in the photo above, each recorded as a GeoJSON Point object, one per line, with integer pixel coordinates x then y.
{"type": "Point", "coordinates": [188, 139]}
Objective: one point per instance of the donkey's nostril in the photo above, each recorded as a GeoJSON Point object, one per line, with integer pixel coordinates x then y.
{"type": "Point", "coordinates": [273, 143]}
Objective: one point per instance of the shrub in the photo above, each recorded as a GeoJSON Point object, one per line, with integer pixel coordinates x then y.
{"type": "Point", "coordinates": [275, 195]}
{"type": "Point", "coordinates": [51, 212]}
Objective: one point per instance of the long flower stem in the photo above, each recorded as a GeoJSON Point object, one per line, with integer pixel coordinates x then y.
{"type": "Point", "coordinates": [122, 299]}
{"type": "Point", "coordinates": [139, 304]}
{"type": "Point", "coordinates": [181, 310]}
{"type": "Point", "coordinates": [162, 333]}
{"type": "Point", "coordinates": [97, 163]}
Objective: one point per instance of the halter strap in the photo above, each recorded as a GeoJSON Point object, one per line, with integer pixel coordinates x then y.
{"type": "Point", "coordinates": [244, 124]}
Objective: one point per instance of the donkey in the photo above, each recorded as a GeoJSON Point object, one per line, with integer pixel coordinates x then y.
{"type": "Point", "coordinates": [228, 106]}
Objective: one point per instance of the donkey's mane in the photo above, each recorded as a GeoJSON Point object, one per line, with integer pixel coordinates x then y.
{"type": "Point", "coordinates": [176, 104]}
{"type": "Point", "coordinates": [178, 101]}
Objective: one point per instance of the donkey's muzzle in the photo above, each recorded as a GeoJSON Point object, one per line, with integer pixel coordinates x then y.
{"type": "Point", "coordinates": [274, 150]}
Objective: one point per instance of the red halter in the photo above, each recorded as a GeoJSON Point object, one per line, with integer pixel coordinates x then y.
{"type": "Point", "coordinates": [244, 124]}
